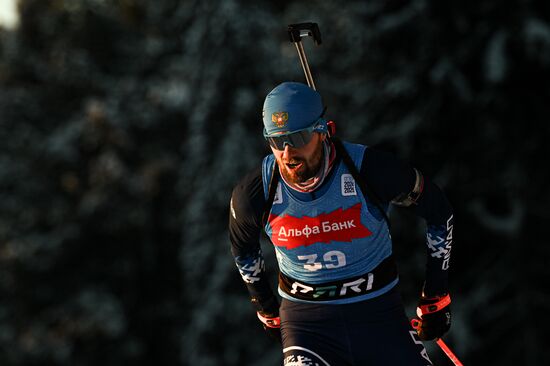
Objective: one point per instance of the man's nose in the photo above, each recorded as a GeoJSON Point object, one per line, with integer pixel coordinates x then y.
{"type": "Point", "coordinates": [287, 153]}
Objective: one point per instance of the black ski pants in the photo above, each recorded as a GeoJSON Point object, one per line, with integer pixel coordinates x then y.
{"type": "Point", "coordinates": [373, 332]}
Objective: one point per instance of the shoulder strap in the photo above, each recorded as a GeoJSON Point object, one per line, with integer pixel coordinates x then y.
{"type": "Point", "coordinates": [340, 150]}
{"type": "Point", "coordinates": [271, 190]}
{"type": "Point", "coordinates": [367, 192]}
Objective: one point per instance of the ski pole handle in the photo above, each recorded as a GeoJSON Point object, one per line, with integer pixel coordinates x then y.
{"type": "Point", "coordinates": [415, 323]}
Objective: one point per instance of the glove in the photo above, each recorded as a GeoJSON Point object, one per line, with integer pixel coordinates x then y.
{"type": "Point", "coordinates": [271, 324]}
{"type": "Point", "coordinates": [435, 316]}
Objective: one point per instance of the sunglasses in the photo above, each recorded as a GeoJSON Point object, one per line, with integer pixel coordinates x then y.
{"type": "Point", "coordinates": [296, 139]}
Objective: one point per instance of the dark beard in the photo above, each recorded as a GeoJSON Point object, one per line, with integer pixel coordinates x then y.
{"type": "Point", "coordinates": [309, 168]}
{"type": "Point", "coordinates": [305, 173]}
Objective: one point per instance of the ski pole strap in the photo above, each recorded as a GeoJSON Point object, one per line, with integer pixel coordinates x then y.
{"type": "Point", "coordinates": [436, 306]}
{"type": "Point", "coordinates": [274, 322]}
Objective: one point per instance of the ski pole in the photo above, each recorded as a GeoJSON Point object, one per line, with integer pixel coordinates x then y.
{"type": "Point", "coordinates": [415, 323]}
{"type": "Point", "coordinates": [448, 352]}
{"type": "Point", "coordinates": [296, 32]}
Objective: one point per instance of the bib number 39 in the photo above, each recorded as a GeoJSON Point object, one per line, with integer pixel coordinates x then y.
{"type": "Point", "coordinates": [330, 260]}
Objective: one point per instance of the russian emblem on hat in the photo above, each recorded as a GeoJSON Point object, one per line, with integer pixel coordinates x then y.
{"type": "Point", "coordinates": [279, 118]}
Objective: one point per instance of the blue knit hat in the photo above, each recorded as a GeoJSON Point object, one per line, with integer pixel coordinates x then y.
{"type": "Point", "coordinates": [291, 107]}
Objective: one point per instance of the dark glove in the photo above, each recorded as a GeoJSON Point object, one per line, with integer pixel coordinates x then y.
{"type": "Point", "coordinates": [271, 324]}
{"type": "Point", "coordinates": [435, 316]}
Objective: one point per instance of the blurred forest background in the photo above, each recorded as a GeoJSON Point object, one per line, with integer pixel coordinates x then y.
{"type": "Point", "coordinates": [125, 124]}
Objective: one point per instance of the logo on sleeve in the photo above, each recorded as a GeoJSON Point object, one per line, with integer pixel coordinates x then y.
{"type": "Point", "coordinates": [339, 225]}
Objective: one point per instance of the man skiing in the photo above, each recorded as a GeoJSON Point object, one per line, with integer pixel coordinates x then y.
{"type": "Point", "coordinates": [322, 203]}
